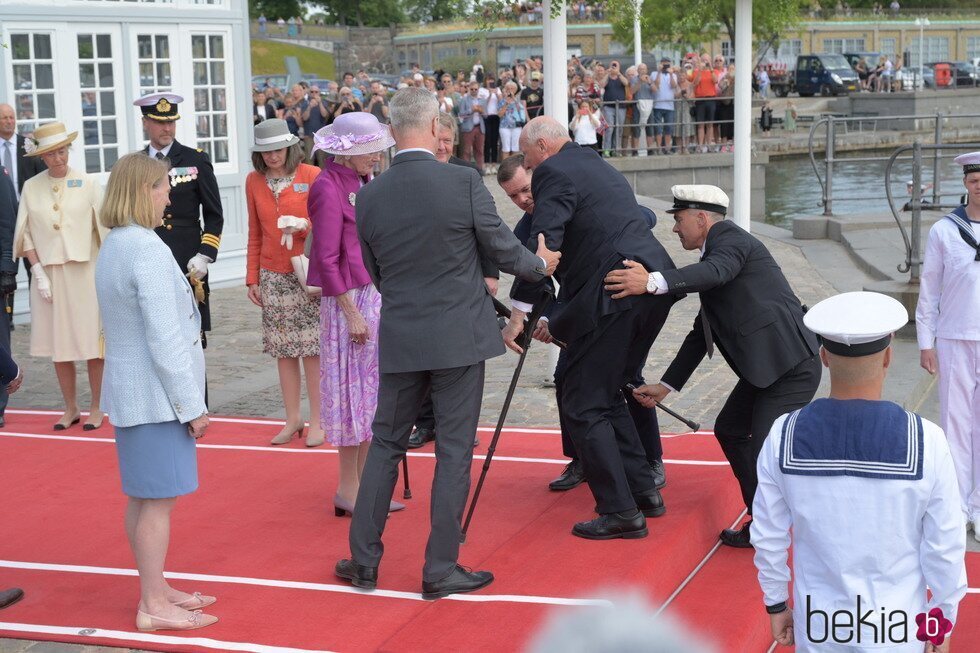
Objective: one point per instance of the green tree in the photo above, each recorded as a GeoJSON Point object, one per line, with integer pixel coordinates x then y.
{"type": "Point", "coordinates": [275, 9]}
{"type": "Point", "coordinates": [427, 11]}
{"type": "Point", "coordinates": [377, 13]}
{"type": "Point", "coordinates": [689, 24]}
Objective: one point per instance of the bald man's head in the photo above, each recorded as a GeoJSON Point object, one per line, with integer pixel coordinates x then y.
{"type": "Point", "coordinates": [540, 139]}
{"type": "Point", "coordinates": [8, 121]}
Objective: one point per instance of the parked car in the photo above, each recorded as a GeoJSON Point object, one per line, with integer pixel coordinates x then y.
{"type": "Point", "coordinates": [870, 58]}
{"type": "Point", "coordinates": [960, 73]}
{"type": "Point", "coordinates": [826, 74]}
{"type": "Point", "coordinates": [261, 81]}
{"type": "Point", "coordinates": [319, 83]}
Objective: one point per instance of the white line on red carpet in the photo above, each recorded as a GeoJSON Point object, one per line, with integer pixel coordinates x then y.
{"type": "Point", "coordinates": [204, 642]}
{"type": "Point", "coordinates": [267, 449]}
{"type": "Point", "coordinates": [272, 422]}
{"type": "Point", "coordinates": [291, 584]}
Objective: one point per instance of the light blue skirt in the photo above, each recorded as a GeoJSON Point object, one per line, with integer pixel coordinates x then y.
{"type": "Point", "coordinates": [156, 461]}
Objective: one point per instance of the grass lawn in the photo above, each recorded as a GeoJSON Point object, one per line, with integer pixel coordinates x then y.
{"type": "Point", "coordinates": [267, 59]}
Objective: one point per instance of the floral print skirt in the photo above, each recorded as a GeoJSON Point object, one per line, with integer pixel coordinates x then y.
{"type": "Point", "coordinates": [348, 371]}
{"type": "Point", "coordinates": [290, 316]}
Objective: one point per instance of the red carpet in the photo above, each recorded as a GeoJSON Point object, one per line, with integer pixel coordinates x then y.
{"type": "Point", "coordinates": [260, 534]}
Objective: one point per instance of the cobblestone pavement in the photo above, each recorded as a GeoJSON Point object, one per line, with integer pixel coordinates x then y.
{"type": "Point", "coordinates": [243, 381]}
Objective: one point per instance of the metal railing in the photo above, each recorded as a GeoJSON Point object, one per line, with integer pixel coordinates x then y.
{"type": "Point", "coordinates": [834, 125]}
{"type": "Point", "coordinates": [913, 236]}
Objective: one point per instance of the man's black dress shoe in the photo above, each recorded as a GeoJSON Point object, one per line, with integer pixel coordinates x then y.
{"type": "Point", "coordinates": [738, 538]}
{"type": "Point", "coordinates": [459, 581]}
{"type": "Point", "coordinates": [3, 421]}
{"type": "Point", "coordinates": [358, 575]}
{"type": "Point", "coordinates": [627, 525]}
{"type": "Point", "coordinates": [573, 476]}
{"type": "Point", "coordinates": [420, 437]}
{"type": "Point", "coordinates": [11, 596]}
{"type": "Point", "coordinates": [659, 474]}
{"type": "Point", "coordinates": [651, 503]}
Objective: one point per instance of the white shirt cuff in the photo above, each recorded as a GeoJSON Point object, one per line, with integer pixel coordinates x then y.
{"type": "Point", "coordinates": [667, 385]}
{"type": "Point", "coordinates": [657, 281]}
{"type": "Point", "coordinates": [522, 306]}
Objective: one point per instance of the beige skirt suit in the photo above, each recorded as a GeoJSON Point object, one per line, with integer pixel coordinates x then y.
{"type": "Point", "coordinates": [58, 218]}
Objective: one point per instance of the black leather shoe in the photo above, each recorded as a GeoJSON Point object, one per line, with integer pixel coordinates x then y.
{"type": "Point", "coordinates": [420, 437]}
{"type": "Point", "coordinates": [358, 575]}
{"type": "Point", "coordinates": [459, 581]}
{"type": "Point", "coordinates": [627, 525]}
{"type": "Point", "coordinates": [573, 476]}
{"type": "Point", "coordinates": [11, 596]}
{"type": "Point", "coordinates": [659, 474]}
{"type": "Point", "coordinates": [651, 504]}
{"type": "Point", "coordinates": [738, 538]}
{"type": "Point", "coordinates": [3, 421]}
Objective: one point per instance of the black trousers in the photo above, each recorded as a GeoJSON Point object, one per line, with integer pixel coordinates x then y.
{"type": "Point", "coordinates": [427, 415]}
{"type": "Point", "coordinates": [645, 419]}
{"type": "Point", "coordinates": [491, 146]}
{"type": "Point", "coordinates": [595, 412]}
{"type": "Point", "coordinates": [743, 424]}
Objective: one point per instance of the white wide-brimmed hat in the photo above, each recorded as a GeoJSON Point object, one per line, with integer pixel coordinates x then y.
{"type": "Point", "coordinates": [48, 137]}
{"type": "Point", "coordinates": [273, 134]}
{"type": "Point", "coordinates": [353, 133]}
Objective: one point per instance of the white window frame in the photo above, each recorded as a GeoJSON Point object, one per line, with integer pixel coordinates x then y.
{"type": "Point", "coordinates": [892, 50]}
{"type": "Point", "coordinates": [122, 143]}
{"type": "Point", "coordinates": [231, 165]}
{"type": "Point", "coordinates": [972, 47]}
{"type": "Point", "coordinates": [935, 49]}
{"type": "Point", "coordinates": [31, 29]}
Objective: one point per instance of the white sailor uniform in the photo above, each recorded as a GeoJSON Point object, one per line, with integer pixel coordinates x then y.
{"type": "Point", "coordinates": [869, 492]}
{"type": "Point", "coordinates": [947, 318]}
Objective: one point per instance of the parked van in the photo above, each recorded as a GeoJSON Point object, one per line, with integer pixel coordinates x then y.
{"type": "Point", "coordinates": [826, 74]}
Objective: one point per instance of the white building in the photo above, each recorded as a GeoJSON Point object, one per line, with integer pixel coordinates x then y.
{"type": "Point", "coordinates": [82, 62]}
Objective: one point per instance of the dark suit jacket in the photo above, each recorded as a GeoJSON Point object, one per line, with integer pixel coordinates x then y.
{"type": "Point", "coordinates": [756, 319]}
{"type": "Point", "coordinates": [489, 269]}
{"type": "Point", "coordinates": [422, 255]}
{"type": "Point", "coordinates": [8, 221]}
{"type": "Point", "coordinates": [27, 166]}
{"type": "Point", "coordinates": [586, 209]}
{"type": "Point", "coordinates": [523, 232]}
{"type": "Point", "coordinates": [8, 368]}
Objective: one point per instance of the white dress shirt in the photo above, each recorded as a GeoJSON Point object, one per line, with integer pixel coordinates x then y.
{"type": "Point", "coordinates": [165, 151]}
{"type": "Point", "coordinates": [949, 287]}
{"type": "Point", "coordinates": [884, 540]}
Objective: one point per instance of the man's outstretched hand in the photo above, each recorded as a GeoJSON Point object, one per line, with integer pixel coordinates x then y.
{"type": "Point", "coordinates": [630, 281]}
{"type": "Point", "coordinates": [550, 258]}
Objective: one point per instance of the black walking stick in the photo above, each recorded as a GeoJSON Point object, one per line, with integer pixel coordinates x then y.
{"type": "Point", "coordinates": [407, 493]}
{"type": "Point", "coordinates": [691, 424]}
{"type": "Point", "coordinates": [525, 342]}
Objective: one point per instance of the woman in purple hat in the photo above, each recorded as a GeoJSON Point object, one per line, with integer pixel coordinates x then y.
{"type": "Point", "coordinates": [350, 307]}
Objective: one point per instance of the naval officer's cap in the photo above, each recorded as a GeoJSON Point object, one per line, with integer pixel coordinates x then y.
{"type": "Point", "coordinates": [970, 162]}
{"type": "Point", "coordinates": [699, 197]}
{"type": "Point", "coordinates": [159, 106]}
{"type": "Point", "coordinates": [856, 324]}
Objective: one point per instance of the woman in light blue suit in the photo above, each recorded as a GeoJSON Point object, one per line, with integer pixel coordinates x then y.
{"type": "Point", "coordinates": [153, 387]}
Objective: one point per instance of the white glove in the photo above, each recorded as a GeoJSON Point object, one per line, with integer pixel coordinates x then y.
{"type": "Point", "coordinates": [290, 224]}
{"type": "Point", "coordinates": [43, 283]}
{"type": "Point", "coordinates": [198, 266]}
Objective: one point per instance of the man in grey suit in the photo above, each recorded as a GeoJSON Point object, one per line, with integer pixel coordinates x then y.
{"type": "Point", "coordinates": [422, 226]}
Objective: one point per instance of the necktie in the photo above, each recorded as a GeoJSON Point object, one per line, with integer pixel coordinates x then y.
{"type": "Point", "coordinates": [709, 342]}
{"type": "Point", "coordinates": [7, 161]}
{"type": "Point", "coordinates": [160, 156]}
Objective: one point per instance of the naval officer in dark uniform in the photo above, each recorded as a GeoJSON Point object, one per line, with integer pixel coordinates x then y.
{"type": "Point", "coordinates": [193, 196]}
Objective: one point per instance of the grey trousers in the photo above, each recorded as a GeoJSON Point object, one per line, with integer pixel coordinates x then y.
{"type": "Point", "coordinates": [456, 397]}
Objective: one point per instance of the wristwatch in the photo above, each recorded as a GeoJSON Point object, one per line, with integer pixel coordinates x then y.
{"type": "Point", "coordinates": [776, 609]}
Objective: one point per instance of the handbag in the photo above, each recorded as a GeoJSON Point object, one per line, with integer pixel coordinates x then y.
{"type": "Point", "coordinates": [301, 265]}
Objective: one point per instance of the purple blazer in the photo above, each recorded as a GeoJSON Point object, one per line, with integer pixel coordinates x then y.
{"type": "Point", "coordinates": [336, 265]}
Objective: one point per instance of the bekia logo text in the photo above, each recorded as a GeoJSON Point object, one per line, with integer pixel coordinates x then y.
{"type": "Point", "coordinates": [866, 625]}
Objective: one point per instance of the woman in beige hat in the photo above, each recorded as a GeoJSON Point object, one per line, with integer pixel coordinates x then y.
{"type": "Point", "coordinates": [59, 234]}
{"type": "Point", "coordinates": [277, 193]}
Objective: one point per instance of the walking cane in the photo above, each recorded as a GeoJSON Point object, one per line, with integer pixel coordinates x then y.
{"type": "Point", "coordinates": [407, 493]}
{"type": "Point", "coordinates": [525, 343]}
{"type": "Point", "coordinates": [691, 424]}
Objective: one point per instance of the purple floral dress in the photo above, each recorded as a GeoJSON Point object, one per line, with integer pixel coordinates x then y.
{"type": "Point", "coordinates": [348, 371]}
